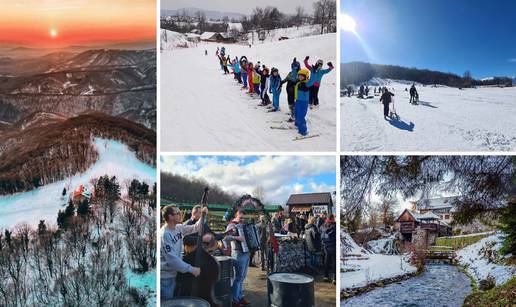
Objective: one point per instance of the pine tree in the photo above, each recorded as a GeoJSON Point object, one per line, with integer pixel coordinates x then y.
{"type": "Point", "coordinates": [42, 228]}
{"type": "Point", "coordinates": [64, 192]}
{"type": "Point", "coordinates": [84, 208]}
{"type": "Point", "coordinates": [61, 220]}
{"type": "Point", "coordinates": [70, 209]}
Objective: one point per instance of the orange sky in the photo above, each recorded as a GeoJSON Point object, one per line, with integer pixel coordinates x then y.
{"type": "Point", "coordinates": [76, 22]}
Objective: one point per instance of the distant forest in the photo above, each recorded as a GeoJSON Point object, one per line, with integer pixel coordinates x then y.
{"type": "Point", "coordinates": [360, 72]}
{"type": "Point", "coordinates": [186, 190]}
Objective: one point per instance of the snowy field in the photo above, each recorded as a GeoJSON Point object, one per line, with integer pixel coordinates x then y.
{"type": "Point", "coordinates": [44, 203]}
{"type": "Point", "coordinates": [362, 268]}
{"type": "Point", "coordinates": [473, 258]}
{"type": "Point", "coordinates": [447, 119]}
{"type": "Point", "coordinates": [204, 110]}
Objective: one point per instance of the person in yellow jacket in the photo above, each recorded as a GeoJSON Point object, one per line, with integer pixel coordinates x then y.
{"type": "Point", "coordinates": [257, 78]}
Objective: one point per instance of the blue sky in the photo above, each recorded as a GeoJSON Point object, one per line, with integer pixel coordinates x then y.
{"type": "Point", "coordinates": [279, 176]}
{"type": "Point", "coordinates": [444, 35]}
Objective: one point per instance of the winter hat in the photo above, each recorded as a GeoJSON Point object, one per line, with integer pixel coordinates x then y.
{"type": "Point", "coordinates": [319, 62]}
{"type": "Point", "coordinates": [295, 65]}
{"type": "Point", "coordinates": [274, 69]}
{"type": "Point", "coordinates": [305, 72]}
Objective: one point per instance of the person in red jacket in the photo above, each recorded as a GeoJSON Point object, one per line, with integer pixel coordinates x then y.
{"type": "Point", "coordinates": [250, 77]}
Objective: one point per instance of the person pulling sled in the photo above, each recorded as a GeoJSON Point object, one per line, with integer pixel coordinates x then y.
{"type": "Point", "coordinates": [386, 99]}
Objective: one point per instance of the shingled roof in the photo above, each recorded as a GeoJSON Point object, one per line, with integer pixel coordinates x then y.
{"type": "Point", "coordinates": [309, 199]}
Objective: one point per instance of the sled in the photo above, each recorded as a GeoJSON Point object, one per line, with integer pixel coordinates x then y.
{"type": "Point", "coordinates": [299, 138]}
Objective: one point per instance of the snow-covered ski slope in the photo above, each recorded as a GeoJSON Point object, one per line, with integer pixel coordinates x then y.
{"type": "Point", "coordinates": [446, 119]}
{"type": "Point", "coordinates": [115, 159]}
{"type": "Point", "coordinates": [204, 110]}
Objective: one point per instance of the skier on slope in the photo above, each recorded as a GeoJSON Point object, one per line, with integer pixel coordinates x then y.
{"type": "Point", "coordinates": [315, 80]}
{"type": "Point", "coordinates": [250, 69]}
{"type": "Point", "coordinates": [264, 86]}
{"type": "Point", "coordinates": [236, 69]}
{"type": "Point", "coordinates": [302, 96]}
{"type": "Point", "coordinates": [291, 80]}
{"type": "Point", "coordinates": [386, 99]}
{"type": "Point", "coordinates": [275, 88]}
{"type": "Point", "coordinates": [413, 94]}
{"type": "Point", "coordinates": [243, 69]}
{"type": "Point", "coordinates": [257, 78]}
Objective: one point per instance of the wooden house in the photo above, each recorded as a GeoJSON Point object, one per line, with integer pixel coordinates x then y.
{"type": "Point", "coordinates": [433, 226]}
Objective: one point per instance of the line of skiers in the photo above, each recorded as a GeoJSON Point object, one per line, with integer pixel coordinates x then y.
{"type": "Point", "coordinates": [302, 84]}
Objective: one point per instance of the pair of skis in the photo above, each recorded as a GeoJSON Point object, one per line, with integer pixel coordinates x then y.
{"type": "Point", "coordinates": [289, 127]}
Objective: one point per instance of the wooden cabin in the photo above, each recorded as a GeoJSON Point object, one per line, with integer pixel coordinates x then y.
{"type": "Point", "coordinates": [429, 222]}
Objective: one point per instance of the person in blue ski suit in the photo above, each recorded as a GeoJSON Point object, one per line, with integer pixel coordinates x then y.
{"type": "Point", "coordinates": [317, 73]}
{"type": "Point", "coordinates": [275, 84]}
{"type": "Point", "coordinates": [236, 69]}
{"type": "Point", "coordinates": [302, 96]}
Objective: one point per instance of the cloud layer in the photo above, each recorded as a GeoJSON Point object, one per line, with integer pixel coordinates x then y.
{"type": "Point", "coordinates": [278, 176]}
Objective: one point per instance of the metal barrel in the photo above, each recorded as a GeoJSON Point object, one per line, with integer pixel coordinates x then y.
{"type": "Point", "coordinates": [290, 289]}
{"type": "Point", "coordinates": [185, 302]}
{"type": "Point", "coordinates": [223, 285]}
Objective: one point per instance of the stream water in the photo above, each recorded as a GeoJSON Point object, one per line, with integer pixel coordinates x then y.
{"type": "Point", "coordinates": [440, 285]}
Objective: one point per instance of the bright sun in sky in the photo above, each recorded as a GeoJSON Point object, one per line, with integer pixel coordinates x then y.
{"type": "Point", "coordinates": [347, 23]}
{"type": "Point", "coordinates": [53, 33]}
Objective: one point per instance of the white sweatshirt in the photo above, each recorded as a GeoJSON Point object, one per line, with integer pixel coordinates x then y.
{"type": "Point", "coordinates": [172, 249]}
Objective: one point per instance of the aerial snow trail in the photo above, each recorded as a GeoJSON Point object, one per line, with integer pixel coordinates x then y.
{"type": "Point", "coordinates": [204, 110]}
{"type": "Point", "coordinates": [43, 203]}
{"type": "Point", "coordinates": [446, 119]}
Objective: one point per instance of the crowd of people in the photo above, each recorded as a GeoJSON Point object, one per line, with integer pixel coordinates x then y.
{"type": "Point", "coordinates": [259, 80]}
{"type": "Point", "coordinates": [177, 238]}
{"type": "Point", "coordinates": [385, 97]}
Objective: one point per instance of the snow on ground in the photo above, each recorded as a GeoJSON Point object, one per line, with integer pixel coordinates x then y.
{"type": "Point", "coordinates": [290, 33]}
{"type": "Point", "coordinates": [473, 257]}
{"type": "Point", "coordinates": [376, 267]}
{"type": "Point", "coordinates": [360, 271]}
{"type": "Point", "coordinates": [146, 283]}
{"type": "Point", "coordinates": [447, 119]}
{"type": "Point", "coordinates": [172, 40]}
{"type": "Point", "coordinates": [204, 110]}
{"type": "Point", "coordinates": [115, 159]}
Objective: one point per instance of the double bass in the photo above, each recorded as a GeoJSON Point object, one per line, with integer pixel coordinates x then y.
{"type": "Point", "coordinates": [203, 285]}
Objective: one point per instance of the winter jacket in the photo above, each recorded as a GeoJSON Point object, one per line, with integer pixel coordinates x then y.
{"type": "Point", "coordinates": [262, 233]}
{"type": "Point", "coordinates": [275, 84]}
{"type": "Point", "coordinates": [292, 75]}
{"type": "Point", "coordinates": [386, 98]}
{"type": "Point", "coordinates": [302, 91]}
{"type": "Point", "coordinates": [256, 76]}
{"type": "Point", "coordinates": [312, 238]}
{"type": "Point", "coordinates": [316, 75]}
{"type": "Point", "coordinates": [236, 67]}
{"type": "Point", "coordinates": [172, 249]}
{"type": "Point", "coordinates": [329, 238]}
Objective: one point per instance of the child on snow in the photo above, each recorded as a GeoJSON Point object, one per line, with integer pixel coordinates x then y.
{"type": "Point", "coordinates": [264, 86]}
{"type": "Point", "coordinates": [225, 65]}
{"type": "Point", "coordinates": [236, 69]}
{"type": "Point", "coordinates": [302, 96]}
{"type": "Point", "coordinates": [275, 84]}
{"type": "Point", "coordinates": [256, 78]}
{"type": "Point", "coordinates": [250, 70]}
{"type": "Point", "coordinates": [243, 69]}
{"type": "Point", "coordinates": [315, 81]}
{"type": "Point", "coordinates": [291, 80]}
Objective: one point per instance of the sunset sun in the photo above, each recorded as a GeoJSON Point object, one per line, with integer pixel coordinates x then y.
{"type": "Point", "coordinates": [53, 33]}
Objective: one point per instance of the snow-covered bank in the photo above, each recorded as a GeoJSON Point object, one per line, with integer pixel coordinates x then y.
{"type": "Point", "coordinates": [288, 33]}
{"type": "Point", "coordinates": [360, 268]}
{"type": "Point", "coordinates": [204, 110]}
{"type": "Point", "coordinates": [447, 119]}
{"type": "Point", "coordinates": [475, 258]}
{"type": "Point", "coordinates": [115, 159]}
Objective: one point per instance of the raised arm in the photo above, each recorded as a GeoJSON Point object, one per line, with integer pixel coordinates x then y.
{"type": "Point", "coordinates": [306, 63]}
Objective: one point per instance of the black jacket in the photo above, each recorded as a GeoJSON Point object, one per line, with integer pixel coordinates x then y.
{"type": "Point", "coordinates": [386, 97]}
{"type": "Point", "coordinates": [329, 238]}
